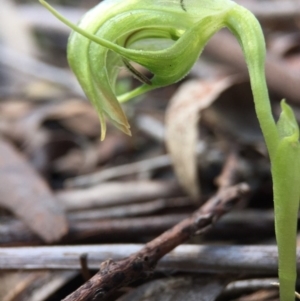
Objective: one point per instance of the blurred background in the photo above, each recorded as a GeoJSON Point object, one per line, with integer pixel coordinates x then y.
{"type": "Point", "coordinates": [60, 185]}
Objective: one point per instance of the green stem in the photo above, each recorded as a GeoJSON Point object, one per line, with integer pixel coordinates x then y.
{"type": "Point", "coordinates": [247, 30]}
{"type": "Point", "coordinates": [283, 154]}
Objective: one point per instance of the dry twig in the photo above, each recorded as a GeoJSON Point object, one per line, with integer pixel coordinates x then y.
{"type": "Point", "coordinates": [117, 193]}
{"type": "Point", "coordinates": [255, 259]}
{"type": "Point", "coordinates": [119, 171]}
{"type": "Point", "coordinates": [15, 232]}
{"type": "Point", "coordinates": [246, 224]}
{"type": "Point", "coordinates": [113, 275]}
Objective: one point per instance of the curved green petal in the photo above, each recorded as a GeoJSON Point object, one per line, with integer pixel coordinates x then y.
{"type": "Point", "coordinates": [125, 27]}
{"type": "Point", "coordinates": [167, 37]}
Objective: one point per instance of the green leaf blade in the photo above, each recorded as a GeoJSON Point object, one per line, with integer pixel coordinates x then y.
{"type": "Point", "coordinates": [286, 179]}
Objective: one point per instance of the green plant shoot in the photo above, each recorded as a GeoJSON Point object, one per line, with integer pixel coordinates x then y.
{"type": "Point", "coordinates": [167, 37]}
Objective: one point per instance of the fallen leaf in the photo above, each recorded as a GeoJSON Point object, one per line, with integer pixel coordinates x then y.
{"type": "Point", "coordinates": [182, 119]}
{"type": "Point", "coordinates": [25, 193]}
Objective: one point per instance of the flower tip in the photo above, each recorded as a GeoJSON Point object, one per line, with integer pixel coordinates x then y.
{"type": "Point", "coordinates": [103, 135]}
{"type": "Point", "coordinates": [102, 125]}
{"type": "Point", "coordinates": [128, 132]}
{"type": "Point", "coordinates": [125, 128]}
{"type": "Point", "coordinates": [121, 123]}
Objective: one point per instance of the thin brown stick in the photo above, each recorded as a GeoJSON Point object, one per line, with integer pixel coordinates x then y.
{"type": "Point", "coordinates": [136, 209]}
{"type": "Point", "coordinates": [249, 259]}
{"type": "Point", "coordinates": [229, 173]}
{"type": "Point", "coordinates": [113, 275]}
{"type": "Point", "coordinates": [117, 193]}
{"type": "Point", "coordinates": [119, 171]}
{"type": "Point", "coordinates": [248, 285]}
{"type": "Point", "coordinates": [15, 232]}
{"type": "Point", "coordinates": [84, 266]}
{"type": "Point", "coordinates": [245, 224]}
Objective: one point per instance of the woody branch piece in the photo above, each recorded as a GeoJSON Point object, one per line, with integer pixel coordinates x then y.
{"type": "Point", "coordinates": [113, 275]}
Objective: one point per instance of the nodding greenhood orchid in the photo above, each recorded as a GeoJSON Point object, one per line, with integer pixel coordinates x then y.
{"type": "Point", "coordinates": [167, 37]}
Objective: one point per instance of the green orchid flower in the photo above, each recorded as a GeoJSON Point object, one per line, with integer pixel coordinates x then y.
{"type": "Point", "coordinates": [167, 37]}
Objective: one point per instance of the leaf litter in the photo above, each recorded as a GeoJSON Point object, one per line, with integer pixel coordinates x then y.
{"type": "Point", "coordinates": [131, 194]}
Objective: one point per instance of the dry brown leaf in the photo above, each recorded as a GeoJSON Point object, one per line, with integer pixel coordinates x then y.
{"type": "Point", "coordinates": [25, 193]}
{"type": "Point", "coordinates": [182, 118]}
